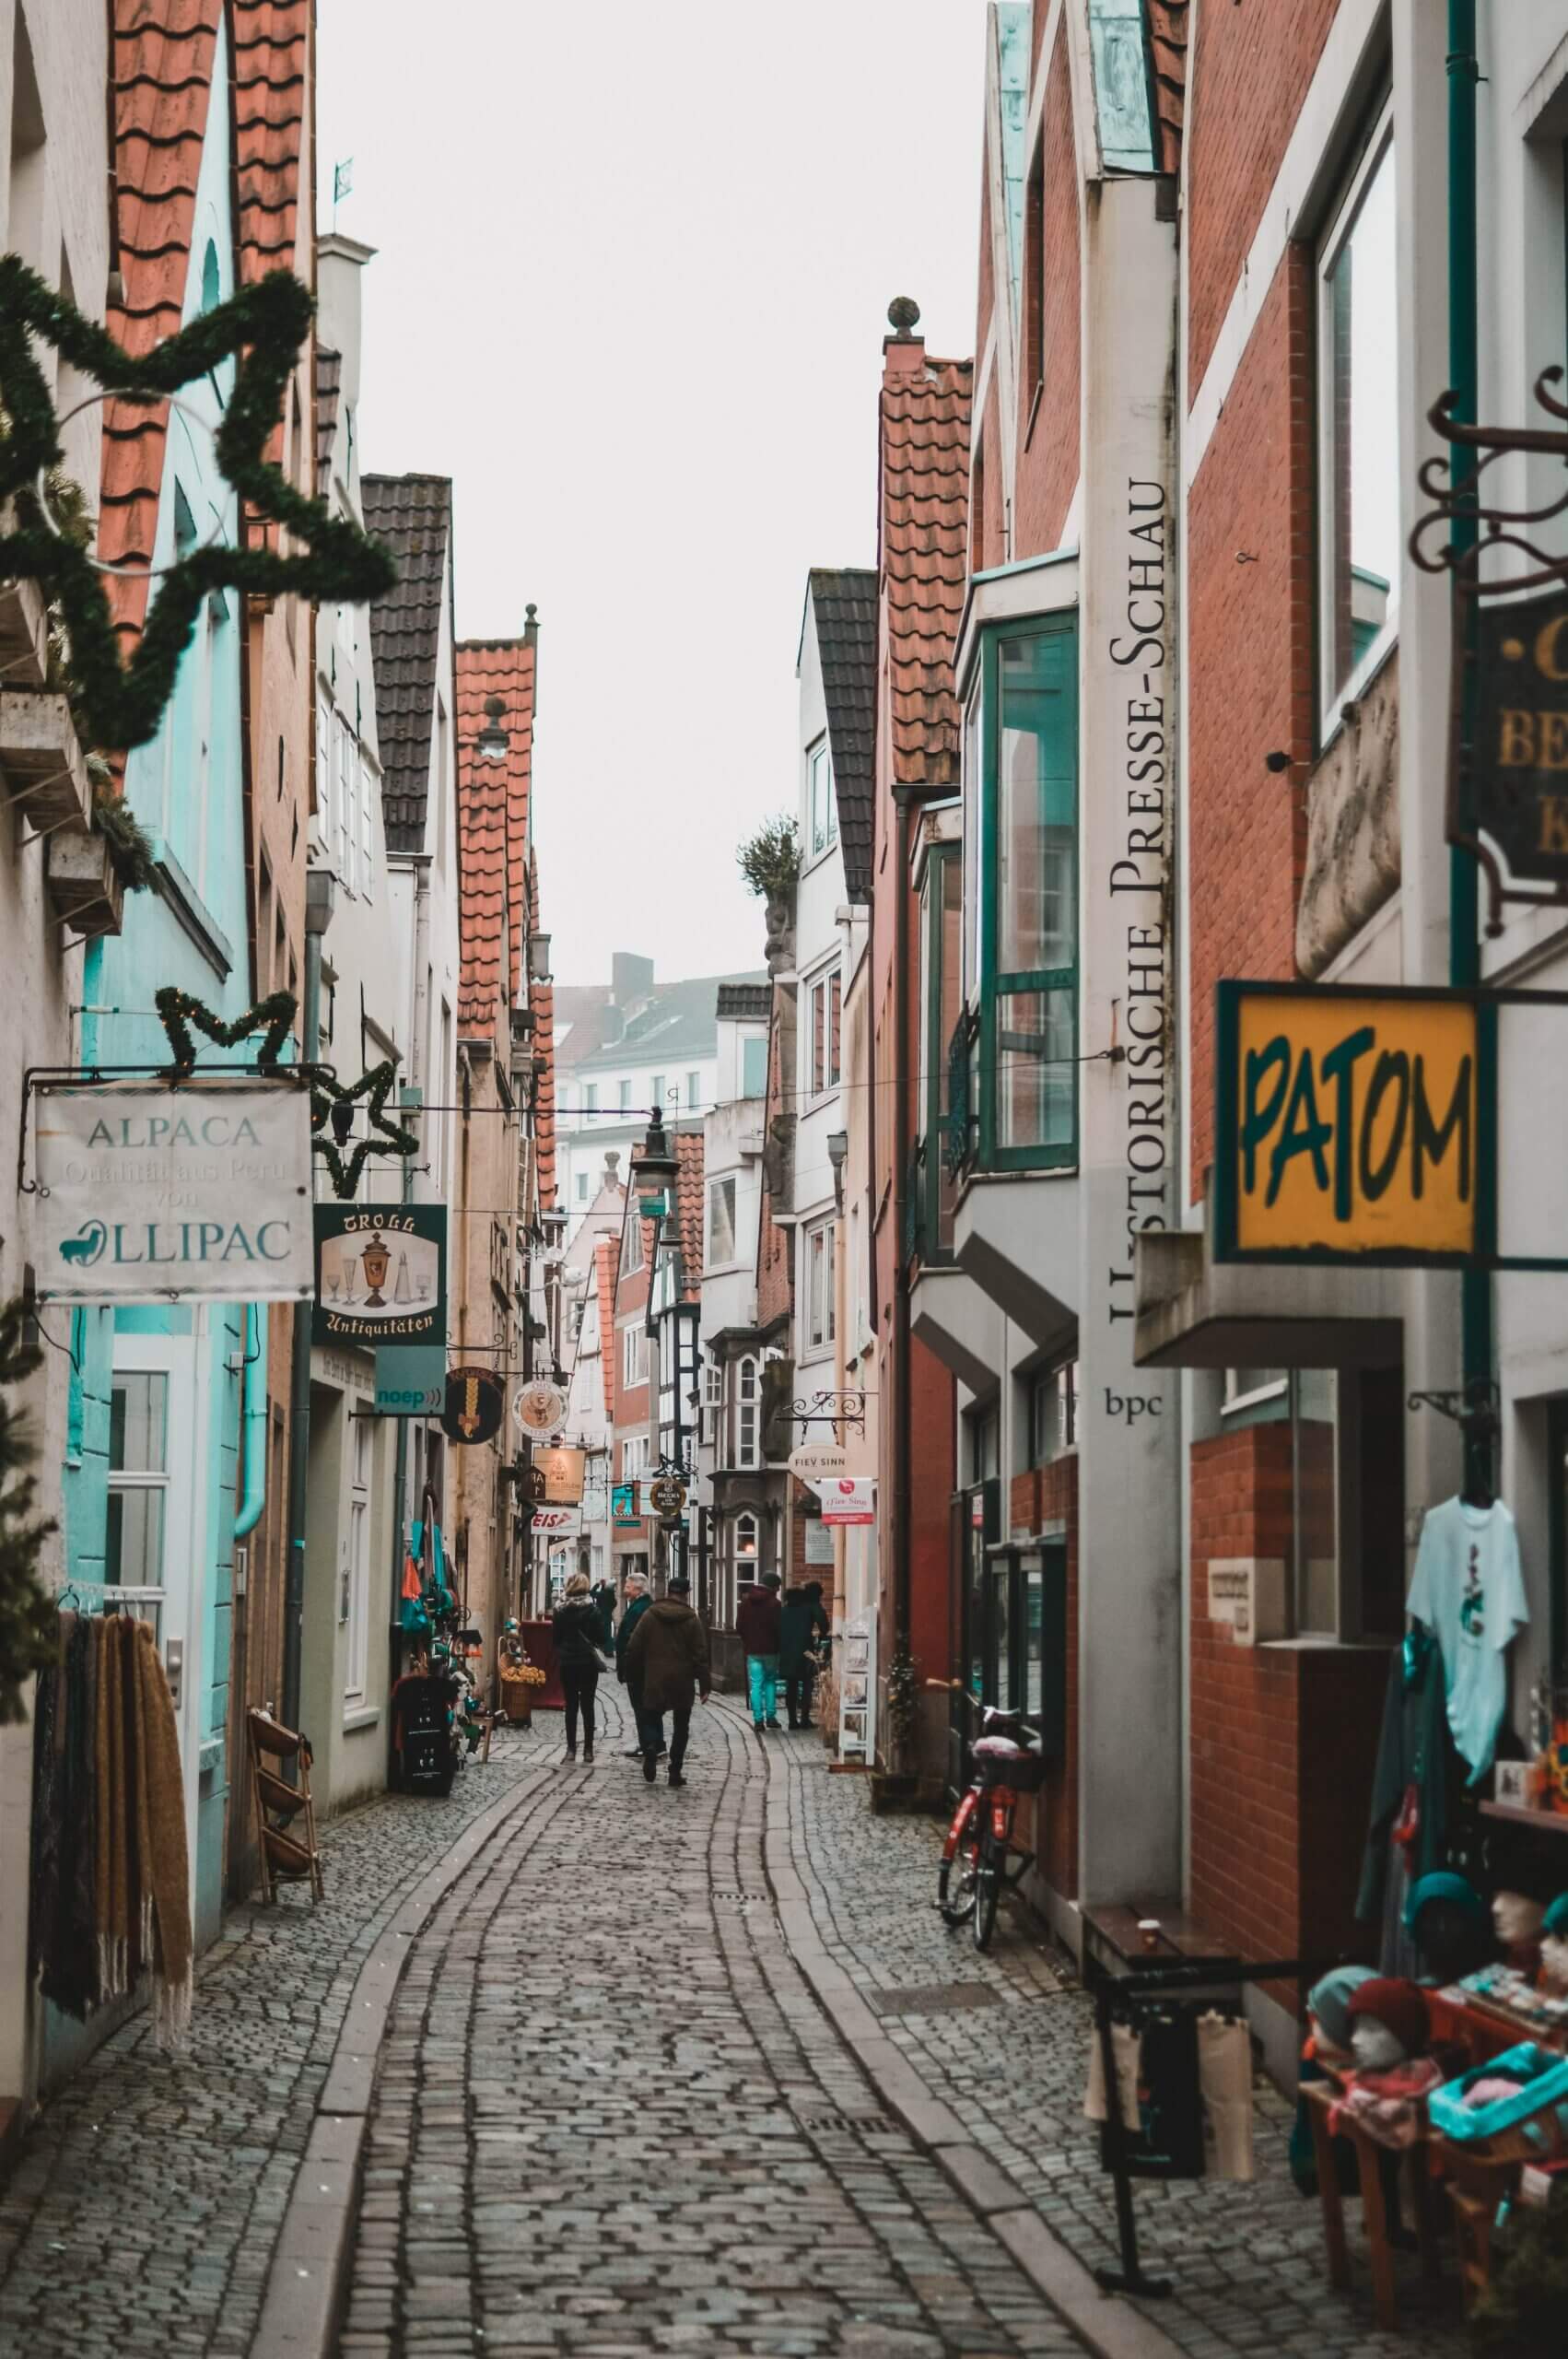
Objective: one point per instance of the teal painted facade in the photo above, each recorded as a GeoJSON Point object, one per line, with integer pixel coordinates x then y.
{"type": "Point", "coordinates": [186, 788]}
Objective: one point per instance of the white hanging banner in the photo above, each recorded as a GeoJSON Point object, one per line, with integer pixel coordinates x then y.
{"type": "Point", "coordinates": [850, 1500]}
{"type": "Point", "coordinates": [148, 1192]}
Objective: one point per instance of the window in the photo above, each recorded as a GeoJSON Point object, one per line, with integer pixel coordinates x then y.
{"type": "Point", "coordinates": [634, 1458]}
{"type": "Point", "coordinates": [625, 1089]}
{"type": "Point", "coordinates": [694, 1089]}
{"type": "Point", "coordinates": [985, 1445]}
{"type": "Point", "coordinates": [1358, 466]}
{"type": "Point", "coordinates": [656, 1090]}
{"type": "Point", "coordinates": [634, 1358]}
{"type": "Point", "coordinates": [582, 1187]}
{"type": "Point", "coordinates": [1023, 824]}
{"type": "Point", "coordinates": [933, 1190]}
{"type": "Point", "coordinates": [712, 1402]}
{"type": "Point", "coordinates": [367, 831]}
{"type": "Point", "coordinates": [754, 1067]}
{"type": "Point", "coordinates": [591, 1098]}
{"type": "Point", "coordinates": [746, 1540]}
{"type": "Point", "coordinates": [745, 1413]}
{"type": "Point", "coordinates": [138, 1479]}
{"type": "Point", "coordinates": [212, 279]}
{"type": "Point", "coordinates": [1034, 275]}
{"type": "Point", "coordinates": [824, 814]}
{"type": "Point", "coordinates": [819, 1286]}
{"type": "Point", "coordinates": [1251, 1388]}
{"type": "Point", "coordinates": [1053, 1413]}
{"type": "Point", "coordinates": [721, 1222]}
{"type": "Point", "coordinates": [356, 1606]}
{"type": "Point", "coordinates": [631, 1246]}
{"type": "Point", "coordinates": [342, 792]}
{"type": "Point", "coordinates": [825, 996]}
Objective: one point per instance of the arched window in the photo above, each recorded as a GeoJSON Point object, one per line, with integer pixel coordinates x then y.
{"type": "Point", "coordinates": [745, 1542]}
{"type": "Point", "coordinates": [211, 289]}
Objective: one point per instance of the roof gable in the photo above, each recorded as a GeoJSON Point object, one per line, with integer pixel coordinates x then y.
{"type": "Point", "coordinates": [922, 537]}
{"type": "Point", "coordinates": [843, 602]}
{"type": "Point", "coordinates": [413, 515]}
{"type": "Point", "coordinates": [492, 816]}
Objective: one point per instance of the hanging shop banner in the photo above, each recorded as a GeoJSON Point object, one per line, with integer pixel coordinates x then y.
{"type": "Point", "coordinates": [150, 1192]}
{"type": "Point", "coordinates": [475, 1404]}
{"type": "Point", "coordinates": [849, 1500]}
{"type": "Point", "coordinates": [668, 1497]}
{"type": "Point", "coordinates": [539, 1408]}
{"type": "Point", "coordinates": [562, 1469]}
{"type": "Point", "coordinates": [1354, 1126]}
{"type": "Point", "coordinates": [558, 1523]}
{"type": "Point", "coordinates": [1517, 768]}
{"type": "Point", "coordinates": [411, 1379]}
{"type": "Point", "coordinates": [830, 1461]}
{"type": "Point", "coordinates": [623, 1507]}
{"type": "Point", "coordinates": [380, 1273]}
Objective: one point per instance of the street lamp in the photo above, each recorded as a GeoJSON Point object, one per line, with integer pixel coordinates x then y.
{"type": "Point", "coordinates": [656, 1169]}
{"type": "Point", "coordinates": [838, 1154]}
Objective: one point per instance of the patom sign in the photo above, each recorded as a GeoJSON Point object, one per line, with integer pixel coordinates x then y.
{"type": "Point", "coordinates": [1354, 1125]}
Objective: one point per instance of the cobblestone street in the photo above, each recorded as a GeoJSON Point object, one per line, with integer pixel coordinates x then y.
{"type": "Point", "coordinates": [693, 2072]}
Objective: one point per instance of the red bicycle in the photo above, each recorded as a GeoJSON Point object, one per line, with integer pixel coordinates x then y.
{"type": "Point", "coordinates": [977, 1857]}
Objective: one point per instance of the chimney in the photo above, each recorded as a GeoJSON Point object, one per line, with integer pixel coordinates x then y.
{"type": "Point", "coordinates": [631, 979]}
{"type": "Point", "coordinates": [339, 264]}
{"type": "Point", "coordinates": [903, 352]}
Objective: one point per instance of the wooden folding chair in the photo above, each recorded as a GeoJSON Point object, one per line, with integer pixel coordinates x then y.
{"type": "Point", "coordinates": [285, 1859]}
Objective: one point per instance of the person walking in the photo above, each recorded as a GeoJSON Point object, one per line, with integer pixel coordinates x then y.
{"type": "Point", "coordinates": [802, 1623]}
{"type": "Point", "coordinates": [667, 1655]}
{"type": "Point", "coordinates": [757, 1622]}
{"type": "Point", "coordinates": [603, 1596]}
{"type": "Point", "coordinates": [637, 1603]}
{"type": "Point", "coordinates": [580, 1637]}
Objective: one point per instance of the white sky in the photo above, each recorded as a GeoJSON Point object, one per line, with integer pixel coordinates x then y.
{"type": "Point", "coordinates": [633, 263]}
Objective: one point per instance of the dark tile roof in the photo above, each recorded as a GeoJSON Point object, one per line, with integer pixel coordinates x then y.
{"type": "Point", "coordinates": [413, 515]}
{"type": "Point", "coordinates": [845, 601]}
{"type": "Point", "coordinates": [329, 385]}
{"type": "Point", "coordinates": [747, 1002]}
{"type": "Point", "coordinates": [922, 537]}
{"type": "Point", "coordinates": [492, 818]}
{"type": "Point", "coordinates": [678, 1021]}
{"type": "Point", "coordinates": [1168, 28]}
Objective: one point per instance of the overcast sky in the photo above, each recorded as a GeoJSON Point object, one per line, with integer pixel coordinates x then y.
{"type": "Point", "coordinates": [633, 267]}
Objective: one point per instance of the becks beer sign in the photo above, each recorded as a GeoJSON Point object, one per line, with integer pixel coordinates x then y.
{"type": "Point", "coordinates": [148, 1192]}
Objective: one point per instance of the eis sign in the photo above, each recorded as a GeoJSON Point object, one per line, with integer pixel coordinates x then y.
{"type": "Point", "coordinates": [153, 1193]}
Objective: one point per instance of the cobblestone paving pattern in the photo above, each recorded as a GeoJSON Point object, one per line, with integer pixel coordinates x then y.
{"type": "Point", "coordinates": [140, 2214]}
{"type": "Point", "coordinates": [612, 2119]}
{"type": "Point", "coordinates": [1246, 2261]}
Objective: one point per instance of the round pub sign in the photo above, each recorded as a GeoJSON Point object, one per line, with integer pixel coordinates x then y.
{"type": "Point", "coordinates": [668, 1497]}
{"type": "Point", "coordinates": [475, 1405]}
{"type": "Point", "coordinates": [539, 1407]}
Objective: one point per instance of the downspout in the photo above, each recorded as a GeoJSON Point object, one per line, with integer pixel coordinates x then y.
{"type": "Point", "coordinates": [253, 1422]}
{"type": "Point", "coordinates": [1464, 877]}
{"type": "Point", "coordinates": [410, 1097]}
{"type": "Point", "coordinates": [900, 1174]}
{"type": "Point", "coordinates": [317, 913]}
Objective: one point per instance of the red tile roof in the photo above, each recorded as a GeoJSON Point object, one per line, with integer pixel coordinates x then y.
{"type": "Point", "coordinates": [492, 818]}
{"type": "Point", "coordinates": [690, 1206]}
{"type": "Point", "coordinates": [923, 552]}
{"type": "Point", "coordinates": [162, 69]}
{"type": "Point", "coordinates": [542, 1001]}
{"type": "Point", "coordinates": [271, 55]}
{"type": "Point", "coordinates": [1169, 24]}
{"type": "Point", "coordinates": [604, 1254]}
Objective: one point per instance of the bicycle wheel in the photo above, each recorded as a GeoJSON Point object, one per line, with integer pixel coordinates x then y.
{"type": "Point", "coordinates": [957, 1876]}
{"type": "Point", "coordinates": [988, 1891]}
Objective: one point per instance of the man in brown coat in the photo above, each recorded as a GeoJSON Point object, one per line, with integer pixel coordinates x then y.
{"type": "Point", "coordinates": [667, 1658]}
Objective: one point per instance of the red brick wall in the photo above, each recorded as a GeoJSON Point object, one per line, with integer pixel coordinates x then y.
{"type": "Point", "coordinates": [1048, 467]}
{"type": "Point", "coordinates": [1249, 672]}
{"type": "Point", "coordinates": [986, 542]}
{"type": "Point", "coordinates": [1247, 74]}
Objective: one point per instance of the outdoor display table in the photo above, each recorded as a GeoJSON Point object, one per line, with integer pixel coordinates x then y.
{"type": "Point", "coordinates": [539, 1637]}
{"type": "Point", "coordinates": [1372, 2161]}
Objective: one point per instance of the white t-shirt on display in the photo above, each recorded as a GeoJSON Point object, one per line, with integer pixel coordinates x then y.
{"type": "Point", "coordinates": [1471, 1593]}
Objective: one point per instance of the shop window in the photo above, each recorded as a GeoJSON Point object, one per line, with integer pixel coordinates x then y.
{"type": "Point", "coordinates": [1053, 1413]}
{"type": "Point", "coordinates": [1359, 462]}
{"type": "Point", "coordinates": [822, 814]}
{"type": "Point", "coordinates": [721, 1222]}
{"type": "Point", "coordinates": [820, 1286]}
{"type": "Point", "coordinates": [1021, 831]}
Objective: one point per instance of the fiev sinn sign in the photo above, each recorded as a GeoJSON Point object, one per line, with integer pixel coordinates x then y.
{"type": "Point", "coordinates": [1354, 1126]}
{"type": "Point", "coordinates": [149, 1193]}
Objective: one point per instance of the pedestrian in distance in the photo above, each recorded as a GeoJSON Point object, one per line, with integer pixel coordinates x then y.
{"type": "Point", "coordinates": [804, 1624]}
{"type": "Point", "coordinates": [667, 1655]}
{"type": "Point", "coordinates": [603, 1596]}
{"type": "Point", "coordinates": [637, 1603]}
{"type": "Point", "coordinates": [758, 1623]}
{"type": "Point", "coordinates": [580, 1638]}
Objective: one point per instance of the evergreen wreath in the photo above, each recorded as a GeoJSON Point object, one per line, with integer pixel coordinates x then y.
{"type": "Point", "coordinates": [120, 705]}
{"type": "Point", "coordinates": [178, 1010]}
{"type": "Point", "coordinates": [27, 1627]}
{"type": "Point", "coordinates": [330, 1100]}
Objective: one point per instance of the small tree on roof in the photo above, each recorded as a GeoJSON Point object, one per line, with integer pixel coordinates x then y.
{"type": "Point", "coordinates": [770, 860]}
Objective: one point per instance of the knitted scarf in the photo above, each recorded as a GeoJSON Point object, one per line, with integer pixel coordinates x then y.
{"type": "Point", "coordinates": [112, 1858]}
{"type": "Point", "coordinates": [163, 1862]}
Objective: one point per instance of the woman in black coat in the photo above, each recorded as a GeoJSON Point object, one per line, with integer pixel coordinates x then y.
{"type": "Point", "coordinates": [579, 1636]}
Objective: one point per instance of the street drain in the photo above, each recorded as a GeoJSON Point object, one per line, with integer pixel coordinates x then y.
{"type": "Point", "coordinates": [737, 1899]}
{"type": "Point", "coordinates": [932, 1999]}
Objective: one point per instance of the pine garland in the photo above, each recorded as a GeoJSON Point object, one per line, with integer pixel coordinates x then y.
{"type": "Point", "coordinates": [178, 1010]}
{"type": "Point", "coordinates": [28, 1627]}
{"type": "Point", "coordinates": [264, 324]}
{"type": "Point", "coordinates": [387, 1137]}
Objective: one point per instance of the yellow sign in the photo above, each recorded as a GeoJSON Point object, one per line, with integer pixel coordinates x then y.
{"type": "Point", "coordinates": [1350, 1125]}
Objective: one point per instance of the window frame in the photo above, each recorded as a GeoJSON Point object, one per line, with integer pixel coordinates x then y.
{"type": "Point", "coordinates": [991, 985]}
{"type": "Point", "coordinates": [748, 1404]}
{"type": "Point", "coordinates": [824, 1004]}
{"type": "Point", "coordinates": [819, 757]}
{"type": "Point", "coordinates": [716, 1188]}
{"type": "Point", "coordinates": [634, 1355]}
{"type": "Point", "coordinates": [821, 1250]}
{"type": "Point", "coordinates": [1338, 231]}
{"type": "Point", "coordinates": [356, 1611]}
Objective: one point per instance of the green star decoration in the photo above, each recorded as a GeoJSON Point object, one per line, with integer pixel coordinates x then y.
{"type": "Point", "coordinates": [120, 706]}
{"type": "Point", "coordinates": [178, 1010]}
{"type": "Point", "coordinates": [385, 1137]}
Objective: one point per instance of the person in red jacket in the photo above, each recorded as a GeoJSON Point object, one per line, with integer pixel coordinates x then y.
{"type": "Point", "coordinates": [759, 1621]}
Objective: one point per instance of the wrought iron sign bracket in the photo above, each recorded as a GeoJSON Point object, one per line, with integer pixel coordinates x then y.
{"type": "Point", "coordinates": [846, 1411]}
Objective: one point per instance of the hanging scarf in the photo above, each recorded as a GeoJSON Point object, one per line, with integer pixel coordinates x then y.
{"type": "Point", "coordinates": [163, 1860]}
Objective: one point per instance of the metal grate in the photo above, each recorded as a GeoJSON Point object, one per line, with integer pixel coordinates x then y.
{"type": "Point", "coordinates": [932, 1999]}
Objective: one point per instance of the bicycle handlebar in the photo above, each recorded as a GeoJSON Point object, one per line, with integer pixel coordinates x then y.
{"type": "Point", "coordinates": [959, 1688]}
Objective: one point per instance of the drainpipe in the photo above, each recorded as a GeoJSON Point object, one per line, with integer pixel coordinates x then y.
{"type": "Point", "coordinates": [1463, 876]}
{"type": "Point", "coordinates": [409, 1099]}
{"type": "Point", "coordinates": [253, 1420]}
{"type": "Point", "coordinates": [900, 1162]}
{"type": "Point", "coordinates": [318, 917]}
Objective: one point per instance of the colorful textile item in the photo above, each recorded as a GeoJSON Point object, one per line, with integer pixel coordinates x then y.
{"type": "Point", "coordinates": [1329, 2000]}
{"type": "Point", "coordinates": [1390, 2107]}
{"type": "Point", "coordinates": [1469, 1590]}
{"type": "Point", "coordinates": [1399, 2005]}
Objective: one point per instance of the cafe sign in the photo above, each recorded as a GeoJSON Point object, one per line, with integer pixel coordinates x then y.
{"type": "Point", "coordinates": [1518, 750]}
{"type": "Point", "coordinates": [380, 1274]}
{"type": "Point", "coordinates": [561, 1472]}
{"type": "Point", "coordinates": [1354, 1126]}
{"type": "Point", "coordinates": [149, 1192]}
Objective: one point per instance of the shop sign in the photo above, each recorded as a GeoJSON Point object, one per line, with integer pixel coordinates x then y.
{"type": "Point", "coordinates": [411, 1379]}
{"type": "Point", "coordinates": [830, 1461]}
{"type": "Point", "coordinates": [849, 1500]}
{"type": "Point", "coordinates": [562, 1471]}
{"type": "Point", "coordinates": [819, 1542]}
{"type": "Point", "coordinates": [1246, 1596]}
{"type": "Point", "coordinates": [380, 1273]}
{"type": "Point", "coordinates": [538, 1407]}
{"type": "Point", "coordinates": [148, 1192]}
{"type": "Point", "coordinates": [623, 1508]}
{"type": "Point", "coordinates": [558, 1523]}
{"type": "Point", "coordinates": [1517, 768]}
{"type": "Point", "coordinates": [475, 1404]}
{"type": "Point", "coordinates": [668, 1497]}
{"type": "Point", "coordinates": [1353, 1126]}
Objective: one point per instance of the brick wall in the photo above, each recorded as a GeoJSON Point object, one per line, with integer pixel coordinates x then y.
{"type": "Point", "coordinates": [1249, 672]}
{"type": "Point", "coordinates": [1049, 462]}
{"type": "Point", "coordinates": [1247, 74]}
{"type": "Point", "coordinates": [987, 539]}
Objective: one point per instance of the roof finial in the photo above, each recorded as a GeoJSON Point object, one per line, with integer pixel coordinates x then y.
{"type": "Point", "coordinates": [902, 315]}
